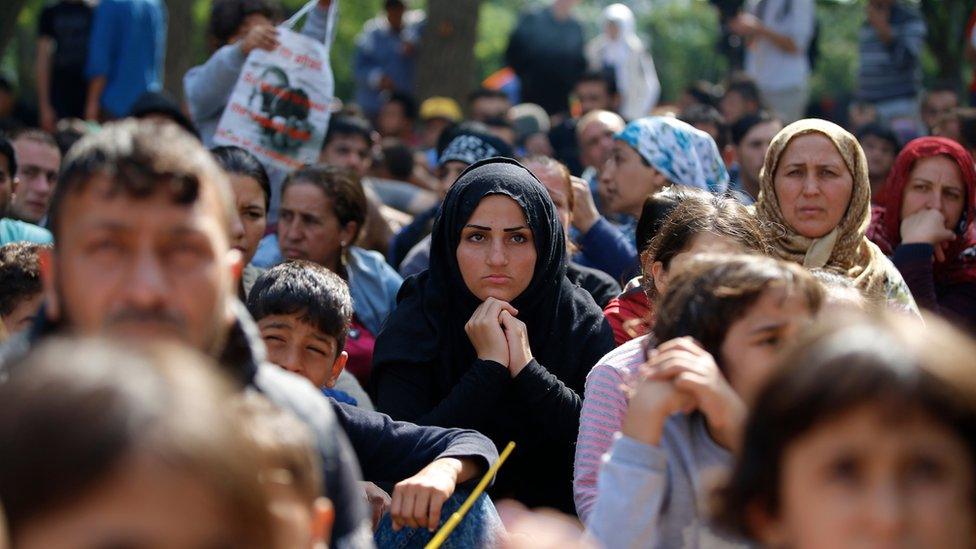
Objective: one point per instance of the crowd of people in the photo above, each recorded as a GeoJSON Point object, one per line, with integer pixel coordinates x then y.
{"type": "Point", "coordinates": [714, 322]}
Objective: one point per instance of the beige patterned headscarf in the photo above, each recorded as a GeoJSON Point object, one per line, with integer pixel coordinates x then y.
{"type": "Point", "coordinates": [845, 250]}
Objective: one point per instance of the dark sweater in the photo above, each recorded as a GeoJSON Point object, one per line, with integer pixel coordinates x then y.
{"type": "Point", "coordinates": [390, 451]}
{"type": "Point", "coordinates": [598, 284]}
{"type": "Point", "coordinates": [956, 302]}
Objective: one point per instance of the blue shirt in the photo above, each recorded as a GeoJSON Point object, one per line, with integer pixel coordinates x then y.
{"type": "Point", "coordinates": [127, 46]}
{"type": "Point", "coordinates": [381, 51]}
{"type": "Point", "coordinates": [12, 230]}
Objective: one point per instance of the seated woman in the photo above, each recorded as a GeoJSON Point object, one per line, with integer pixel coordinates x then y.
{"type": "Point", "coordinates": [555, 176]}
{"type": "Point", "coordinates": [814, 184]}
{"type": "Point", "coordinates": [322, 211]}
{"type": "Point", "coordinates": [721, 322]}
{"type": "Point", "coordinates": [862, 437]}
{"type": "Point", "coordinates": [924, 220]}
{"type": "Point", "coordinates": [700, 223]}
{"type": "Point", "coordinates": [493, 336]}
{"type": "Point", "coordinates": [648, 155]}
{"type": "Point", "coordinates": [252, 196]}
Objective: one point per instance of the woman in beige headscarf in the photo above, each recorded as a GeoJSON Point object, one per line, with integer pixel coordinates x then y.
{"type": "Point", "coordinates": [814, 183]}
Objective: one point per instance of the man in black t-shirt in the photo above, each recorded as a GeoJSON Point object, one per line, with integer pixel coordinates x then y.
{"type": "Point", "coordinates": [62, 51]}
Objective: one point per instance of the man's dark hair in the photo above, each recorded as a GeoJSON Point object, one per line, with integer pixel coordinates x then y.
{"type": "Point", "coordinates": [704, 92]}
{"type": "Point", "coordinates": [705, 114]}
{"type": "Point", "coordinates": [743, 125]}
{"type": "Point", "coordinates": [390, 4]}
{"type": "Point", "coordinates": [238, 161]}
{"type": "Point", "coordinates": [398, 160]}
{"type": "Point", "coordinates": [142, 158]}
{"type": "Point", "coordinates": [941, 86]}
{"type": "Point", "coordinates": [7, 151]}
{"type": "Point", "coordinates": [20, 274]}
{"type": "Point", "coordinates": [745, 87]}
{"type": "Point", "coordinates": [161, 103]}
{"type": "Point", "coordinates": [881, 131]}
{"type": "Point", "coordinates": [69, 132]}
{"type": "Point", "coordinates": [486, 93]}
{"type": "Point", "coordinates": [308, 289]}
{"type": "Point", "coordinates": [227, 16]}
{"type": "Point", "coordinates": [607, 78]}
{"type": "Point", "coordinates": [345, 125]}
{"type": "Point", "coordinates": [406, 101]}
{"type": "Point", "coordinates": [344, 190]}
{"type": "Point", "coordinates": [5, 85]}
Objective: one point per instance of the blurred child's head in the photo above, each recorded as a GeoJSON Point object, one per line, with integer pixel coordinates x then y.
{"type": "Point", "coordinates": [20, 285]}
{"type": "Point", "coordinates": [303, 311]}
{"type": "Point", "coordinates": [741, 309]}
{"type": "Point", "coordinates": [700, 222]}
{"type": "Point", "coordinates": [291, 472]}
{"type": "Point", "coordinates": [107, 446]}
{"type": "Point", "coordinates": [840, 292]}
{"type": "Point", "coordinates": [865, 436]}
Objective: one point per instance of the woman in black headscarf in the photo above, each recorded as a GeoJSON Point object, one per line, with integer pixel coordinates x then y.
{"type": "Point", "coordinates": [493, 336]}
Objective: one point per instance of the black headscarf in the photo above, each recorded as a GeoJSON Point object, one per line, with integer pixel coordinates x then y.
{"type": "Point", "coordinates": [428, 323]}
{"type": "Point", "coordinates": [422, 353]}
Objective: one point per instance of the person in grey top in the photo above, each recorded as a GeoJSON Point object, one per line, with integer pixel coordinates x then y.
{"type": "Point", "coordinates": [239, 28]}
{"type": "Point", "coordinates": [688, 405]}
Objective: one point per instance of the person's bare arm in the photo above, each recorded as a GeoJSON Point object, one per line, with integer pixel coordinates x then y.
{"type": "Point", "coordinates": [749, 25]}
{"type": "Point", "coordinates": [42, 68]}
{"type": "Point", "coordinates": [95, 88]}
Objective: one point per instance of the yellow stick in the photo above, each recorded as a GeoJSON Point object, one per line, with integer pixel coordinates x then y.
{"type": "Point", "coordinates": [456, 517]}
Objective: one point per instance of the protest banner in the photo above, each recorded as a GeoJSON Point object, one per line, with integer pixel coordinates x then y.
{"type": "Point", "coordinates": [279, 109]}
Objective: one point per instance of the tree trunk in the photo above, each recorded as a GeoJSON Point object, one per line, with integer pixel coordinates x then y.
{"type": "Point", "coordinates": [179, 50]}
{"type": "Point", "coordinates": [446, 62]}
{"type": "Point", "coordinates": [946, 22]}
{"type": "Point", "coordinates": [9, 10]}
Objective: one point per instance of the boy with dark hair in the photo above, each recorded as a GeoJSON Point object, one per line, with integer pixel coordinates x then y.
{"type": "Point", "coordinates": [304, 312]}
{"type": "Point", "coordinates": [322, 301]}
{"type": "Point", "coordinates": [485, 103]}
{"type": "Point", "coordinates": [596, 90]}
{"type": "Point", "coordinates": [20, 285]}
{"type": "Point", "coordinates": [348, 144]}
{"type": "Point", "coordinates": [741, 98]}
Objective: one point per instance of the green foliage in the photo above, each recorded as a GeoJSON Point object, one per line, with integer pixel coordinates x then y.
{"type": "Point", "coordinates": [683, 44]}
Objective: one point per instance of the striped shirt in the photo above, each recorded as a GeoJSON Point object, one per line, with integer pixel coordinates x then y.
{"type": "Point", "coordinates": [604, 406]}
{"type": "Point", "coordinates": [893, 70]}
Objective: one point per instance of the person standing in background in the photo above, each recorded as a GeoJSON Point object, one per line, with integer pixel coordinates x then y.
{"type": "Point", "coordinates": [546, 52]}
{"type": "Point", "coordinates": [890, 45]}
{"type": "Point", "coordinates": [619, 50]}
{"type": "Point", "coordinates": [125, 55]}
{"type": "Point", "coordinates": [62, 51]}
{"type": "Point", "coordinates": [385, 59]}
{"type": "Point", "coordinates": [778, 34]}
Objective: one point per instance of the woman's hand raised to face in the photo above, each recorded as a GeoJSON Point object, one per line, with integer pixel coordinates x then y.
{"type": "Point", "coordinates": [519, 352]}
{"type": "Point", "coordinates": [693, 371]}
{"type": "Point", "coordinates": [927, 227]}
{"type": "Point", "coordinates": [484, 329]}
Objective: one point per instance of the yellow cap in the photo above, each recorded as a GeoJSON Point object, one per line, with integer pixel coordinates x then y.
{"type": "Point", "coordinates": [440, 107]}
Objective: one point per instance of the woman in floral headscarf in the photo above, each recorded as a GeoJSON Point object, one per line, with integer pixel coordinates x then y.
{"type": "Point", "coordinates": [924, 219]}
{"type": "Point", "coordinates": [650, 154]}
{"type": "Point", "coordinates": [814, 184]}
